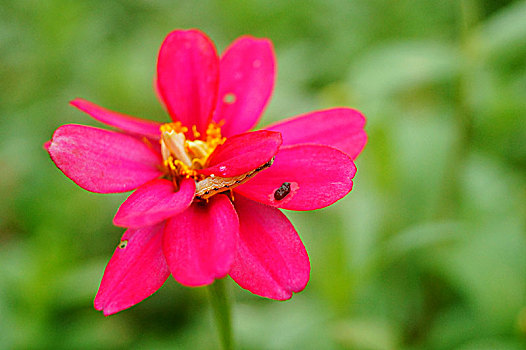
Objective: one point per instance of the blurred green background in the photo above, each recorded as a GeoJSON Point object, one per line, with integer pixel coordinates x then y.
{"type": "Point", "coordinates": [427, 252]}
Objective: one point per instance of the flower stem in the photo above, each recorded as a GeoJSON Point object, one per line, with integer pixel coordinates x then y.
{"type": "Point", "coordinates": [220, 300]}
{"type": "Point", "coordinates": [468, 45]}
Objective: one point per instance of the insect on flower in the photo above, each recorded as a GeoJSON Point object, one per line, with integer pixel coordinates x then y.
{"type": "Point", "coordinates": [282, 191]}
{"type": "Point", "coordinates": [212, 185]}
{"type": "Point", "coordinates": [179, 219]}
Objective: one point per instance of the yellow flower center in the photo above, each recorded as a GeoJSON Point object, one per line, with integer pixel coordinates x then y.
{"type": "Point", "coordinates": [182, 157]}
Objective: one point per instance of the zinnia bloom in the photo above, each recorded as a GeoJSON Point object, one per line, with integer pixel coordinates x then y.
{"type": "Point", "coordinates": [207, 191]}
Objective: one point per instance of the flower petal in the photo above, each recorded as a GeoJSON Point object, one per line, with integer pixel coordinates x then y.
{"type": "Point", "coordinates": [247, 75]}
{"type": "Point", "coordinates": [317, 176]}
{"type": "Point", "coordinates": [154, 202]}
{"type": "Point", "coordinates": [121, 121]}
{"type": "Point", "coordinates": [200, 243]}
{"type": "Point", "coordinates": [188, 77]}
{"type": "Point", "coordinates": [243, 153]}
{"type": "Point", "coordinates": [271, 260]}
{"type": "Point", "coordinates": [341, 128]}
{"type": "Point", "coordinates": [157, 91]}
{"type": "Point", "coordinates": [136, 270]}
{"type": "Point", "coordinates": [103, 161]}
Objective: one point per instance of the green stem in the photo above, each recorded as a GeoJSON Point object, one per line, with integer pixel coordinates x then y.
{"type": "Point", "coordinates": [219, 298]}
{"type": "Point", "coordinates": [469, 13]}
{"type": "Point", "coordinates": [467, 41]}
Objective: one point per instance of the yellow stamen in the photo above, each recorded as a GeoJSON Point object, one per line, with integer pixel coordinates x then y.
{"type": "Point", "coordinates": [198, 148]}
{"type": "Point", "coordinates": [213, 135]}
{"type": "Point", "coordinates": [176, 126]}
{"type": "Point", "coordinates": [196, 133]}
{"type": "Point", "coordinates": [182, 158]}
{"type": "Point", "coordinates": [174, 141]}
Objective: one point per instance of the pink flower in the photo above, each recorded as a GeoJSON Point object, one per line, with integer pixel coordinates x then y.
{"type": "Point", "coordinates": [206, 190]}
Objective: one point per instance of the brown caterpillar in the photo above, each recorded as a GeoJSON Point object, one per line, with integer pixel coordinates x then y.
{"type": "Point", "coordinates": [212, 185]}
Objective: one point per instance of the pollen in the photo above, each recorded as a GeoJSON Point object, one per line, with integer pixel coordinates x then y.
{"type": "Point", "coordinates": [176, 127]}
{"type": "Point", "coordinates": [182, 157]}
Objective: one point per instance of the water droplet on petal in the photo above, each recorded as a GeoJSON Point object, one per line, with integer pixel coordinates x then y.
{"type": "Point", "coordinates": [222, 168]}
{"type": "Point", "coordinates": [229, 98]}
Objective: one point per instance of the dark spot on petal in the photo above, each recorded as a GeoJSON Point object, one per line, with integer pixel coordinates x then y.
{"type": "Point", "coordinates": [282, 191]}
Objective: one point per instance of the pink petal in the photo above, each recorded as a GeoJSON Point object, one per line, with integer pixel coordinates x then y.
{"type": "Point", "coordinates": [124, 122]}
{"type": "Point", "coordinates": [103, 161]}
{"type": "Point", "coordinates": [341, 128]}
{"type": "Point", "coordinates": [317, 176]}
{"type": "Point", "coordinates": [243, 153]}
{"type": "Point", "coordinates": [154, 202]}
{"type": "Point", "coordinates": [200, 243]}
{"type": "Point", "coordinates": [158, 91]}
{"type": "Point", "coordinates": [136, 270]}
{"type": "Point", "coordinates": [271, 260]}
{"type": "Point", "coordinates": [247, 75]}
{"type": "Point", "coordinates": [187, 77]}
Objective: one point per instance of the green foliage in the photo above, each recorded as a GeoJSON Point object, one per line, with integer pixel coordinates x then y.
{"type": "Point", "coordinates": [427, 252]}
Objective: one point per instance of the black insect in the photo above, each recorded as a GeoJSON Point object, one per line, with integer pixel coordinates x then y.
{"type": "Point", "coordinates": [282, 191]}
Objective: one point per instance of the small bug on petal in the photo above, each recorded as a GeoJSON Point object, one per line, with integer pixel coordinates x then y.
{"type": "Point", "coordinates": [123, 244]}
{"type": "Point", "coordinates": [282, 191]}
